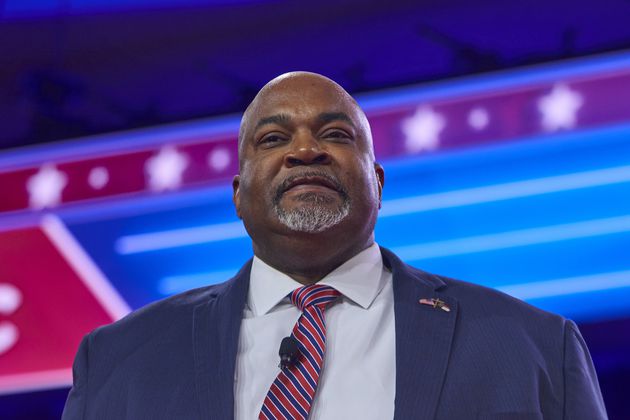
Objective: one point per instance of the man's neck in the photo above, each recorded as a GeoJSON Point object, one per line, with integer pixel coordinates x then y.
{"type": "Point", "coordinates": [308, 261]}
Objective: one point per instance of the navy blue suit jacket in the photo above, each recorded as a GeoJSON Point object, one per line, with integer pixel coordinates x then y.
{"type": "Point", "coordinates": [490, 357]}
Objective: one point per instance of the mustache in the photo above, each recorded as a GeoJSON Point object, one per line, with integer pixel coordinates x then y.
{"type": "Point", "coordinates": [288, 181]}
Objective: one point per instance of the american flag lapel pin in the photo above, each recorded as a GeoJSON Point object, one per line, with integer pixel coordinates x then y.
{"type": "Point", "coordinates": [435, 303]}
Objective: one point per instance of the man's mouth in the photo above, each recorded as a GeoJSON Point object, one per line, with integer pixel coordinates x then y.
{"type": "Point", "coordinates": [310, 183]}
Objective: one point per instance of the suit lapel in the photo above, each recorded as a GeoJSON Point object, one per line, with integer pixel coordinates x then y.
{"type": "Point", "coordinates": [216, 325]}
{"type": "Point", "coordinates": [423, 339]}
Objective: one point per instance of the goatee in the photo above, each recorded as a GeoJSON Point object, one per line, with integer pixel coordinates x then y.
{"type": "Point", "coordinates": [316, 212]}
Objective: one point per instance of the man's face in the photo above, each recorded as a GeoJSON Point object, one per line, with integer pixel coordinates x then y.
{"type": "Point", "coordinates": [306, 162]}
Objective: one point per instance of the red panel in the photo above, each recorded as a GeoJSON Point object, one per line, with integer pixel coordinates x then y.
{"type": "Point", "coordinates": [56, 310]}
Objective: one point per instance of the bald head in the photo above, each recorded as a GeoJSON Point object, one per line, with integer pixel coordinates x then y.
{"type": "Point", "coordinates": [296, 89]}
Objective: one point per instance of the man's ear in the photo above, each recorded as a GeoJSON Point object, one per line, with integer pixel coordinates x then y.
{"type": "Point", "coordinates": [236, 194]}
{"type": "Point", "coordinates": [380, 177]}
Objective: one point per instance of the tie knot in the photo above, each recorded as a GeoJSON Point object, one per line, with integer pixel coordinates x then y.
{"type": "Point", "coordinates": [314, 294]}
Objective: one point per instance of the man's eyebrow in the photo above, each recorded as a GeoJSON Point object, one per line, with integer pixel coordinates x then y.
{"type": "Point", "coordinates": [280, 119]}
{"type": "Point", "coordinates": [327, 117]}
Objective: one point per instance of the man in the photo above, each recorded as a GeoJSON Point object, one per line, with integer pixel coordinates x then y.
{"type": "Point", "coordinates": [370, 338]}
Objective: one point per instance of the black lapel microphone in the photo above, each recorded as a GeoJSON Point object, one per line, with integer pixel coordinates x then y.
{"type": "Point", "coordinates": [289, 352]}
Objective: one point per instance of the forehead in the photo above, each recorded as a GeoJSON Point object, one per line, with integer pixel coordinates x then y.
{"type": "Point", "coordinates": [302, 97]}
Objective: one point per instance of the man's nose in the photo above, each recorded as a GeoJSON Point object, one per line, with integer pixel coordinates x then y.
{"type": "Point", "coordinates": [306, 150]}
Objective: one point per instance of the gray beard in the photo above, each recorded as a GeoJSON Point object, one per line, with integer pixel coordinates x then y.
{"type": "Point", "coordinates": [314, 215]}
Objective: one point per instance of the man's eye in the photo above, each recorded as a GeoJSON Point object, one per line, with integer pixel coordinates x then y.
{"type": "Point", "coordinates": [337, 134]}
{"type": "Point", "coordinates": [271, 139]}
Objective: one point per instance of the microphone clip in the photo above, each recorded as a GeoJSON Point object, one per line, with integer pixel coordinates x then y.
{"type": "Point", "coordinates": [289, 352]}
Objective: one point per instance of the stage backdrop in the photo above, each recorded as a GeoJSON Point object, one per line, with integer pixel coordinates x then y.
{"type": "Point", "coordinates": [518, 181]}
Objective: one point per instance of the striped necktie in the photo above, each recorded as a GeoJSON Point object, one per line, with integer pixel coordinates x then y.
{"type": "Point", "coordinates": [291, 394]}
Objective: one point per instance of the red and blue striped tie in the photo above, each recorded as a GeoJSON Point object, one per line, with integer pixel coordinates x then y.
{"type": "Point", "coordinates": [291, 394]}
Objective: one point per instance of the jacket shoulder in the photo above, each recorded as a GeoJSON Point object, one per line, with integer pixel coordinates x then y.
{"type": "Point", "coordinates": [168, 316]}
{"type": "Point", "coordinates": [473, 300]}
{"type": "Point", "coordinates": [484, 299]}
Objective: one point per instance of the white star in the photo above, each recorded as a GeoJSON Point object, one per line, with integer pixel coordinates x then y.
{"type": "Point", "coordinates": [98, 177]}
{"type": "Point", "coordinates": [9, 335]}
{"type": "Point", "coordinates": [422, 130]}
{"type": "Point", "coordinates": [559, 108]}
{"type": "Point", "coordinates": [45, 187]}
{"type": "Point", "coordinates": [219, 159]}
{"type": "Point", "coordinates": [10, 300]}
{"type": "Point", "coordinates": [165, 170]}
{"type": "Point", "coordinates": [478, 118]}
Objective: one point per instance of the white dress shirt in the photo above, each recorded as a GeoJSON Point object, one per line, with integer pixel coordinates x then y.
{"type": "Point", "coordinates": [358, 376]}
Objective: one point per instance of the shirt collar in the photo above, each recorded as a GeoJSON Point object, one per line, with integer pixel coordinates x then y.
{"type": "Point", "coordinates": [359, 279]}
